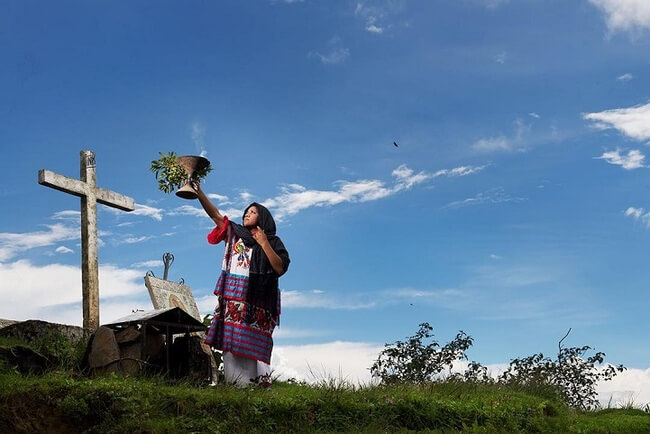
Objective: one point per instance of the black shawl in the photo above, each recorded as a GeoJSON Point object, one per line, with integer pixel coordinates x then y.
{"type": "Point", "coordinates": [262, 280]}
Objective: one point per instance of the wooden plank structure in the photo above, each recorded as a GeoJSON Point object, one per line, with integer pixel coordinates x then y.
{"type": "Point", "coordinates": [172, 321]}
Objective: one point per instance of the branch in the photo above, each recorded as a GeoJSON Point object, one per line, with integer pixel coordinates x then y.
{"type": "Point", "coordinates": [559, 344]}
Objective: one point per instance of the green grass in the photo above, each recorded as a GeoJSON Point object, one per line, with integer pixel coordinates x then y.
{"type": "Point", "coordinates": [62, 402]}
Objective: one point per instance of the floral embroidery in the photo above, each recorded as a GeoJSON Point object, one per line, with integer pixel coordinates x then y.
{"type": "Point", "coordinates": [242, 254]}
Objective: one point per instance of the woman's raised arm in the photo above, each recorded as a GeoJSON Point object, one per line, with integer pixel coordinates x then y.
{"type": "Point", "coordinates": [208, 206]}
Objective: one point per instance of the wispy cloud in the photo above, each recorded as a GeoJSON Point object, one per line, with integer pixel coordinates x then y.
{"type": "Point", "coordinates": [188, 210]}
{"type": "Point", "coordinates": [625, 77]}
{"type": "Point", "coordinates": [67, 215]}
{"type": "Point", "coordinates": [63, 249]}
{"type": "Point", "coordinates": [13, 243]}
{"type": "Point", "coordinates": [332, 57]}
{"type": "Point", "coordinates": [630, 161]}
{"type": "Point", "coordinates": [372, 16]}
{"type": "Point", "coordinates": [625, 15]}
{"type": "Point", "coordinates": [219, 198]}
{"type": "Point", "coordinates": [501, 57]}
{"type": "Point", "coordinates": [502, 143]}
{"type": "Point", "coordinates": [633, 122]}
{"type": "Point", "coordinates": [295, 198]}
{"type": "Point", "coordinates": [295, 333]}
{"type": "Point", "coordinates": [378, 16]}
{"type": "Point", "coordinates": [489, 144]}
{"type": "Point", "coordinates": [140, 210]}
{"type": "Point", "coordinates": [323, 300]}
{"type": "Point", "coordinates": [148, 264]}
{"type": "Point", "coordinates": [639, 214]}
{"type": "Point", "coordinates": [492, 196]}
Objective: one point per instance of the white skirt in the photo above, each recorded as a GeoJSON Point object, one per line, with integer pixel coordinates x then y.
{"type": "Point", "coordinates": [244, 372]}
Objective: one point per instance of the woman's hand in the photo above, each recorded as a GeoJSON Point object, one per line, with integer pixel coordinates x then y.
{"type": "Point", "coordinates": [259, 235]}
{"type": "Point", "coordinates": [274, 259]}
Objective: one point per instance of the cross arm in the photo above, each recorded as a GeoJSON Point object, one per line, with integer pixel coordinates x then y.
{"type": "Point", "coordinates": [114, 200]}
{"type": "Point", "coordinates": [80, 188]}
{"type": "Point", "coordinates": [62, 183]}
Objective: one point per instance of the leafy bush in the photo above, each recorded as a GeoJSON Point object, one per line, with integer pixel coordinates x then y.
{"type": "Point", "coordinates": [574, 377]}
{"type": "Point", "coordinates": [571, 376]}
{"type": "Point", "coordinates": [414, 361]}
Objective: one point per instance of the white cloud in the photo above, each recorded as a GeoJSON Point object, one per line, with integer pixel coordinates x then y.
{"type": "Point", "coordinates": [322, 300]}
{"type": "Point", "coordinates": [639, 214]}
{"type": "Point", "coordinates": [149, 211]}
{"type": "Point", "coordinates": [295, 198]}
{"type": "Point", "coordinates": [297, 333]}
{"type": "Point", "coordinates": [134, 240]}
{"type": "Point", "coordinates": [371, 16]}
{"type": "Point", "coordinates": [47, 292]}
{"type": "Point", "coordinates": [332, 57]}
{"type": "Point", "coordinates": [223, 200]}
{"type": "Point", "coordinates": [633, 122]}
{"type": "Point", "coordinates": [500, 143]}
{"type": "Point", "coordinates": [246, 196]}
{"type": "Point", "coordinates": [348, 362]}
{"type": "Point", "coordinates": [501, 57]}
{"type": "Point", "coordinates": [534, 115]}
{"type": "Point", "coordinates": [625, 77]}
{"type": "Point", "coordinates": [492, 196]}
{"type": "Point", "coordinates": [495, 257]}
{"type": "Point", "coordinates": [67, 215]}
{"type": "Point", "coordinates": [504, 143]}
{"type": "Point", "coordinates": [14, 243]}
{"type": "Point", "coordinates": [625, 15]}
{"type": "Point", "coordinates": [63, 249]}
{"type": "Point", "coordinates": [188, 210]}
{"type": "Point", "coordinates": [630, 386]}
{"type": "Point", "coordinates": [148, 264]}
{"type": "Point", "coordinates": [633, 159]}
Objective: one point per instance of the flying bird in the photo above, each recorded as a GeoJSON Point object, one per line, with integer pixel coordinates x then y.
{"type": "Point", "coordinates": [396, 145]}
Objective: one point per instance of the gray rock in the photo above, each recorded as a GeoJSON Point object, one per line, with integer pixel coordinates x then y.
{"type": "Point", "coordinates": [129, 334]}
{"type": "Point", "coordinates": [104, 353]}
{"type": "Point", "coordinates": [31, 330]}
{"type": "Point", "coordinates": [131, 355]}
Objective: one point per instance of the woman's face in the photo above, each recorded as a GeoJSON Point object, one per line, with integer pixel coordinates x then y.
{"type": "Point", "coordinates": [250, 218]}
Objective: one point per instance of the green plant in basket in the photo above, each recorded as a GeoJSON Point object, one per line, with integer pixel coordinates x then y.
{"type": "Point", "coordinates": [171, 175]}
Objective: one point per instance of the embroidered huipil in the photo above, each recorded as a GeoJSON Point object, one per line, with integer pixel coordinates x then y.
{"type": "Point", "coordinates": [237, 326]}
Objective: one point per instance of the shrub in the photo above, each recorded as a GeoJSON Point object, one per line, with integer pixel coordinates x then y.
{"type": "Point", "coordinates": [414, 361]}
{"type": "Point", "coordinates": [571, 375]}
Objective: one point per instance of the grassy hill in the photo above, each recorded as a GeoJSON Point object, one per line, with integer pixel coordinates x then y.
{"type": "Point", "coordinates": [61, 402]}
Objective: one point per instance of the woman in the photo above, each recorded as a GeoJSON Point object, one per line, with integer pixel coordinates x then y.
{"type": "Point", "coordinates": [249, 301]}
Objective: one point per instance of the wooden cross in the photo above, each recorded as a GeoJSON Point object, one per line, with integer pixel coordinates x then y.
{"type": "Point", "coordinates": [90, 194]}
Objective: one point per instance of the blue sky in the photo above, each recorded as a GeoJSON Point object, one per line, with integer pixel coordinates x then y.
{"type": "Point", "coordinates": [514, 208]}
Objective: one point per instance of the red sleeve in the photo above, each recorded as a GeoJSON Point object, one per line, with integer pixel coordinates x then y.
{"type": "Point", "coordinates": [218, 234]}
